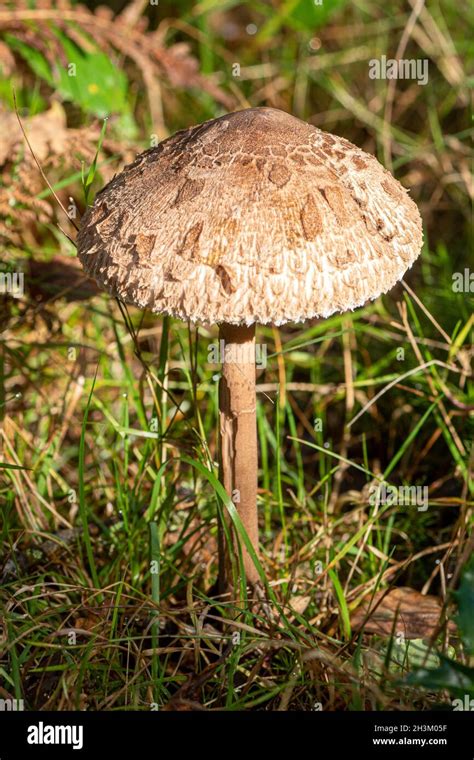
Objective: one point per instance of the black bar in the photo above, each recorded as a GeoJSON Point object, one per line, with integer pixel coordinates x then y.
{"type": "Point", "coordinates": [435, 734]}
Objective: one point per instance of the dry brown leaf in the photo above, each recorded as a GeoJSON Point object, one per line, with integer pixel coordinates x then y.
{"type": "Point", "coordinates": [47, 133]}
{"type": "Point", "coordinates": [417, 615]}
{"type": "Point", "coordinates": [299, 603]}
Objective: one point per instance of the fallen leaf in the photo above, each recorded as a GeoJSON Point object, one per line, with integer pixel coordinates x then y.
{"type": "Point", "coordinates": [417, 615]}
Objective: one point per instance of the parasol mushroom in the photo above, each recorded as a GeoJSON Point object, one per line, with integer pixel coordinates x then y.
{"type": "Point", "coordinates": [254, 217]}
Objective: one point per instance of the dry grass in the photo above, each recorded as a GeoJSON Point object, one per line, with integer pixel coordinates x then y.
{"type": "Point", "coordinates": [112, 436]}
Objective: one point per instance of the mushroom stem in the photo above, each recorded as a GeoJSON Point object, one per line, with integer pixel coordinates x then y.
{"type": "Point", "coordinates": [238, 442]}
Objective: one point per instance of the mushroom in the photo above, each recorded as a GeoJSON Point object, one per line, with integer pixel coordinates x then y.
{"type": "Point", "coordinates": [254, 217]}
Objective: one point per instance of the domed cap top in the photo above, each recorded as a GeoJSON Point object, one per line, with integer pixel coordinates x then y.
{"type": "Point", "coordinates": [251, 217]}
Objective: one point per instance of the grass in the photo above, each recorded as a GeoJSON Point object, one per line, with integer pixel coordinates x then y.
{"type": "Point", "coordinates": [108, 472]}
{"type": "Point", "coordinates": [134, 505]}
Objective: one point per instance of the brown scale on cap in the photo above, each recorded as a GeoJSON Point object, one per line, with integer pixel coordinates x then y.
{"type": "Point", "coordinates": [252, 217]}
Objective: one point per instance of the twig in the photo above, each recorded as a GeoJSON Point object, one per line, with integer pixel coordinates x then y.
{"type": "Point", "coordinates": [397, 380]}
{"type": "Point", "coordinates": [427, 312]}
{"type": "Point", "coordinates": [38, 163]}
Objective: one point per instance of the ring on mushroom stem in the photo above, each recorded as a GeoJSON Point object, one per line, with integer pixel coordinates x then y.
{"type": "Point", "coordinates": [254, 217]}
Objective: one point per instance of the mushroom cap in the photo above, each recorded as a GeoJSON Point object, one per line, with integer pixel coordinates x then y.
{"type": "Point", "coordinates": [255, 216]}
